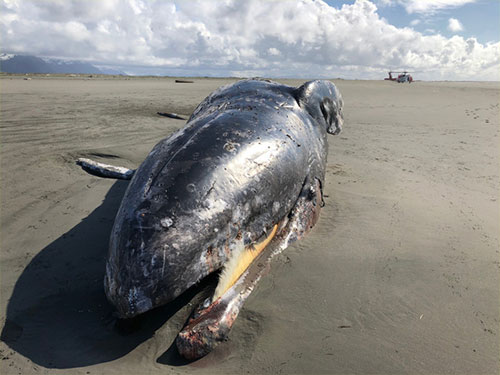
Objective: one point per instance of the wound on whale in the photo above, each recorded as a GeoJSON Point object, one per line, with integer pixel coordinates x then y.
{"type": "Point", "coordinates": [236, 185]}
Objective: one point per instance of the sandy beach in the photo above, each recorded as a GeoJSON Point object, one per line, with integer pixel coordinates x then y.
{"type": "Point", "coordinates": [401, 275]}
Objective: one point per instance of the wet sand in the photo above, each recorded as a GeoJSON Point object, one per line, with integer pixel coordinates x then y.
{"type": "Point", "coordinates": [400, 275]}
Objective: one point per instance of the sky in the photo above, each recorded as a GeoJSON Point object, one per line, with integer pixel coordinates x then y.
{"type": "Point", "coordinates": [359, 39]}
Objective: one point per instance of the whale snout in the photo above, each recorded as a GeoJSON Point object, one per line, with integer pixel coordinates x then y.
{"type": "Point", "coordinates": [128, 300]}
{"type": "Point", "coordinates": [153, 260]}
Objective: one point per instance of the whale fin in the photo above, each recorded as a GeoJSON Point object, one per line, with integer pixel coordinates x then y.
{"type": "Point", "coordinates": [324, 103]}
{"type": "Point", "coordinates": [105, 170]}
{"type": "Point", "coordinates": [171, 115]}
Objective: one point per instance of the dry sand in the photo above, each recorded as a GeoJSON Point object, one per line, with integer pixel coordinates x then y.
{"type": "Point", "coordinates": [400, 275]}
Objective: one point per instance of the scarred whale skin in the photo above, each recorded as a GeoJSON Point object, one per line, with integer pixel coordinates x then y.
{"type": "Point", "coordinates": [238, 167]}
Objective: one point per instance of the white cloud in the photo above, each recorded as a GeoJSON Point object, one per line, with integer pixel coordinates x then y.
{"type": "Point", "coordinates": [415, 22]}
{"type": "Point", "coordinates": [273, 51]}
{"type": "Point", "coordinates": [287, 38]}
{"type": "Point", "coordinates": [454, 25]}
{"type": "Point", "coordinates": [427, 6]}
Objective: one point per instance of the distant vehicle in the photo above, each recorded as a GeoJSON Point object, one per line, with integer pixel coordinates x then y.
{"type": "Point", "coordinates": [403, 77]}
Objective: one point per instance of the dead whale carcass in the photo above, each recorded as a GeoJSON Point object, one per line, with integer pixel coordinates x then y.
{"type": "Point", "coordinates": [237, 184]}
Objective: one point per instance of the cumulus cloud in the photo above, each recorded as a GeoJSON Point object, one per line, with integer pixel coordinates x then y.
{"type": "Point", "coordinates": [287, 38]}
{"type": "Point", "coordinates": [454, 25]}
{"type": "Point", "coordinates": [415, 22]}
{"type": "Point", "coordinates": [427, 6]}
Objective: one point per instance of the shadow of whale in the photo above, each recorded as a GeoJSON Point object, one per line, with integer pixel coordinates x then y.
{"type": "Point", "coordinates": [58, 315]}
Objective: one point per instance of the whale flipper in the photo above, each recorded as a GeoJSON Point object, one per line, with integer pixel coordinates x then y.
{"type": "Point", "coordinates": [171, 115]}
{"type": "Point", "coordinates": [105, 170]}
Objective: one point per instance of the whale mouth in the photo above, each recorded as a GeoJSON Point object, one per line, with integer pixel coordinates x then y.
{"type": "Point", "coordinates": [211, 322]}
{"type": "Point", "coordinates": [239, 262]}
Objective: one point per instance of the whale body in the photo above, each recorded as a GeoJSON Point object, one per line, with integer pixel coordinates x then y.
{"type": "Point", "coordinates": [246, 172]}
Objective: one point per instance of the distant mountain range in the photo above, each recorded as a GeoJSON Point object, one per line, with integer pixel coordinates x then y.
{"type": "Point", "coordinates": [32, 64]}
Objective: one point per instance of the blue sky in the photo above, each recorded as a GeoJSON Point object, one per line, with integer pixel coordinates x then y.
{"type": "Point", "coordinates": [440, 39]}
{"type": "Point", "coordinates": [480, 19]}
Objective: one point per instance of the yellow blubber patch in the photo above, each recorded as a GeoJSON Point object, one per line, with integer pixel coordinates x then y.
{"type": "Point", "coordinates": [238, 264]}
